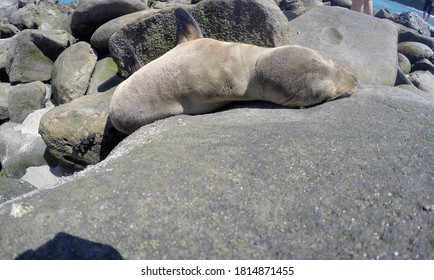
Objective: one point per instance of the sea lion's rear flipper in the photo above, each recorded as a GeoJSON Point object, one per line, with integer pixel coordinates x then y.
{"type": "Point", "coordinates": [132, 63]}
{"type": "Point", "coordinates": [187, 26]}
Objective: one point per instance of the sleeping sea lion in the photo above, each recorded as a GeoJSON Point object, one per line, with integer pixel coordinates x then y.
{"type": "Point", "coordinates": [200, 75]}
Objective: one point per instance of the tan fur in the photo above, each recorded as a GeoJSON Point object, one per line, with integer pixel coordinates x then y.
{"type": "Point", "coordinates": [202, 75]}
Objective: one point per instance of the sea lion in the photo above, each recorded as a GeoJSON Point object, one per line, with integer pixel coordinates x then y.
{"type": "Point", "coordinates": [200, 75]}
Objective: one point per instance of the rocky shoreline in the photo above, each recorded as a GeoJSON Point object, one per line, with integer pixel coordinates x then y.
{"type": "Point", "coordinates": [181, 179]}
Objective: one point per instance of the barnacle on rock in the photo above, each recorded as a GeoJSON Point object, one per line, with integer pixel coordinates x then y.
{"type": "Point", "coordinates": [84, 144]}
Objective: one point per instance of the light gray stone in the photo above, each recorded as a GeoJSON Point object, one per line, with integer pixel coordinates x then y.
{"type": "Point", "coordinates": [423, 80]}
{"type": "Point", "coordinates": [341, 33]}
{"type": "Point", "coordinates": [344, 180]}
{"type": "Point", "coordinates": [72, 72]}
{"type": "Point", "coordinates": [12, 188]}
{"type": "Point", "coordinates": [25, 99]}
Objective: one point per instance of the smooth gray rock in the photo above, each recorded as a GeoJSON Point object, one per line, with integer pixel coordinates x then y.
{"type": "Point", "coordinates": [12, 188]}
{"type": "Point", "coordinates": [423, 80]}
{"type": "Point", "coordinates": [349, 179]}
{"type": "Point", "coordinates": [257, 22]}
{"type": "Point", "coordinates": [25, 99]}
{"type": "Point", "coordinates": [91, 14]}
{"type": "Point", "coordinates": [342, 34]}
{"type": "Point", "coordinates": [72, 72]}
{"type": "Point", "coordinates": [404, 63]}
{"type": "Point", "coordinates": [415, 51]}
{"type": "Point", "coordinates": [4, 101]}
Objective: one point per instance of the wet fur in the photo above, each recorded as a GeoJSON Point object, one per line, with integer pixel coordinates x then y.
{"type": "Point", "coordinates": [201, 75]}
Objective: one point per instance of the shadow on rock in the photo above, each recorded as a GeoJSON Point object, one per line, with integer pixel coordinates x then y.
{"type": "Point", "coordinates": [68, 247]}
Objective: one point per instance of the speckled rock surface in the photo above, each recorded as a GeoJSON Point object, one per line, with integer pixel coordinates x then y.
{"type": "Point", "coordinates": [349, 179]}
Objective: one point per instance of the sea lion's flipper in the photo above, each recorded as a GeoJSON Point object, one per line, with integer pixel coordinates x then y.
{"type": "Point", "coordinates": [132, 62]}
{"type": "Point", "coordinates": [187, 26]}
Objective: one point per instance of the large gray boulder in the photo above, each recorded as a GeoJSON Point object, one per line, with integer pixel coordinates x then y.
{"type": "Point", "coordinates": [12, 188]}
{"type": "Point", "coordinates": [72, 72]}
{"type": "Point", "coordinates": [258, 22]}
{"type": "Point", "coordinates": [31, 54]}
{"type": "Point", "coordinates": [91, 14]}
{"type": "Point", "coordinates": [342, 34]}
{"type": "Point", "coordinates": [21, 146]}
{"type": "Point", "coordinates": [25, 99]}
{"type": "Point", "coordinates": [79, 133]}
{"type": "Point", "coordinates": [349, 179]}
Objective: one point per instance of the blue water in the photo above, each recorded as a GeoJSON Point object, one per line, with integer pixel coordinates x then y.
{"type": "Point", "coordinates": [395, 7]}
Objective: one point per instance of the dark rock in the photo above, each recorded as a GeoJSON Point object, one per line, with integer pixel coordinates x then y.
{"type": "Point", "coordinates": [407, 34]}
{"type": "Point", "coordinates": [413, 21]}
{"type": "Point", "coordinates": [8, 30]}
{"type": "Point", "coordinates": [343, 180]}
{"type": "Point", "coordinates": [402, 79]}
{"type": "Point", "coordinates": [91, 14]}
{"type": "Point", "coordinates": [423, 65]}
{"type": "Point", "coordinates": [386, 14]}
